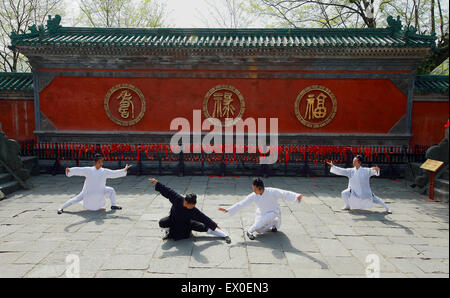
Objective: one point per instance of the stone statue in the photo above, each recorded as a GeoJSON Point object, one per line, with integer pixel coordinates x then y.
{"type": "Point", "coordinates": [9, 154]}
{"type": "Point", "coordinates": [437, 152]}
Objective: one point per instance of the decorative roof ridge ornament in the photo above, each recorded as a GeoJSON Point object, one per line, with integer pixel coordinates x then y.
{"type": "Point", "coordinates": [394, 26]}
{"type": "Point", "coordinates": [53, 24]}
{"type": "Point", "coordinates": [408, 33]}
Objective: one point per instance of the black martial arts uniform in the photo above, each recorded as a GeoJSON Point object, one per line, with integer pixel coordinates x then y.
{"type": "Point", "coordinates": [181, 220]}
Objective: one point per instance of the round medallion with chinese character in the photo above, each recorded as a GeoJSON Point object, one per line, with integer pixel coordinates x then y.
{"type": "Point", "coordinates": [315, 106]}
{"type": "Point", "coordinates": [223, 105]}
{"type": "Point", "coordinates": [125, 104]}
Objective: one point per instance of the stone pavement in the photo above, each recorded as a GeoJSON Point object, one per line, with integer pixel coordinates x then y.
{"type": "Point", "coordinates": [316, 238]}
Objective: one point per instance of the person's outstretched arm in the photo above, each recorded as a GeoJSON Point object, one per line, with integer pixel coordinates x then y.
{"type": "Point", "coordinates": [167, 192]}
{"type": "Point", "coordinates": [111, 174]}
{"type": "Point", "coordinates": [289, 195]}
{"type": "Point", "coordinates": [338, 171]}
{"type": "Point", "coordinates": [375, 171]}
{"type": "Point", "coordinates": [204, 219]}
{"type": "Point", "coordinates": [240, 205]}
{"type": "Point", "coordinates": [76, 171]}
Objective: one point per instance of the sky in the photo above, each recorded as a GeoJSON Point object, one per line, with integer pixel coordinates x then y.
{"type": "Point", "coordinates": [184, 13]}
{"type": "Point", "coordinates": [181, 13]}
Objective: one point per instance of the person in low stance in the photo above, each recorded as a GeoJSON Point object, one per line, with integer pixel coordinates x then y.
{"type": "Point", "coordinates": [358, 194]}
{"type": "Point", "coordinates": [268, 214]}
{"type": "Point", "coordinates": [94, 189]}
{"type": "Point", "coordinates": [184, 217]}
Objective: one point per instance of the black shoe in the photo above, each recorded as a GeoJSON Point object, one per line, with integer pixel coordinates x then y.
{"type": "Point", "coordinates": [274, 229]}
{"type": "Point", "coordinates": [250, 236]}
{"type": "Point", "coordinates": [228, 239]}
{"type": "Point", "coordinates": [116, 208]}
{"type": "Point", "coordinates": [60, 211]}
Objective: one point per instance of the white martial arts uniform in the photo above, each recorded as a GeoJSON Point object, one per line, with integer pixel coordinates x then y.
{"type": "Point", "coordinates": [358, 194]}
{"type": "Point", "coordinates": [95, 189]}
{"type": "Point", "coordinates": [267, 213]}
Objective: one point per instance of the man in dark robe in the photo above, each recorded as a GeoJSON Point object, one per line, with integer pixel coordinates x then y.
{"type": "Point", "coordinates": [184, 217]}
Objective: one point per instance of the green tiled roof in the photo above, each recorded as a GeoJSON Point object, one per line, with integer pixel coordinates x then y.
{"type": "Point", "coordinates": [431, 84]}
{"type": "Point", "coordinates": [57, 36]}
{"type": "Point", "coordinates": [15, 81]}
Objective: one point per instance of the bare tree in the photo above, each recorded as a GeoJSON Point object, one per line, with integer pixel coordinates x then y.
{"type": "Point", "coordinates": [122, 13]}
{"type": "Point", "coordinates": [433, 19]}
{"type": "Point", "coordinates": [298, 13]}
{"type": "Point", "coordinates": [16, 16]}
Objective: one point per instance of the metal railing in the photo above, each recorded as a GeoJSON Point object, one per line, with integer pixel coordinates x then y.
{"type": "Point", "coordinates": [293, 160]}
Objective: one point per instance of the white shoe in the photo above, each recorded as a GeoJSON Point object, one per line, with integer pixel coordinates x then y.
{"type": "Point", "coordinates": [389, 211]}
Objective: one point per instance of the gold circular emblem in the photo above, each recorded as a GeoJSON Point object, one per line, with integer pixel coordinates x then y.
{"type": "Point", "coordinates": [315, 106]}
{"type": "Point", "coordinates": [223, 105]}
{"type": "Point", "coordinates": [125, 104]}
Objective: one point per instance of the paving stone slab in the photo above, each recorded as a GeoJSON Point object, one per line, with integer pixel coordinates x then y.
{"type": "Point", "coordinates": [119, 274]}
{"type": "Point", "coordinates": [332, 247]}
{"type": "Point", "coordinates": [47, 271]}
{"type": "Point", "coordinates": [271, 271]}
{"type": "Point", "coordinates": [127, 262]}
{"type": "Point", "coordinates": [14, 270]}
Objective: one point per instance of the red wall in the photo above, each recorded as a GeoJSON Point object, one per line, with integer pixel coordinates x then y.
{"type": "Point", "coordinates": [17, 119]}
{"type": "Point", "coordinates": [428, 120]}
{"type": "Point", "coordinates": [364, 105]}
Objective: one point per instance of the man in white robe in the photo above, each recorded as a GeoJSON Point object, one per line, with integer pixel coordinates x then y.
{"type": "Point", "coordinates": [267, 215]}
{"type": "Point", "coordinates": [358, 194]}
{"type": "Point", "coordinates": [95, 190]}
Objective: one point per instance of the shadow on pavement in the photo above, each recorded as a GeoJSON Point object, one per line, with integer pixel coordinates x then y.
{"type": "Point", "coordinates": [98, 217]}
{"type": "Point", "coordinates": [188, 247]}
{"type": "Point", "coordinates": [378, 216]}
{"type": "Point", "coordinates": [279, 242]}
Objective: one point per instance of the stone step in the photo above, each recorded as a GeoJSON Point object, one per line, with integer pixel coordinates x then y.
{"type": "Point", "coordinates": [5, 177]}
{"type": "Point", "coordinates": [9, 187]}
{"type": "Point", "coordinates": [441, 195]}
{"type": "Point", "coordinates": [31, 163]}
{"type": "Point", "coordinates": [441, 184]}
